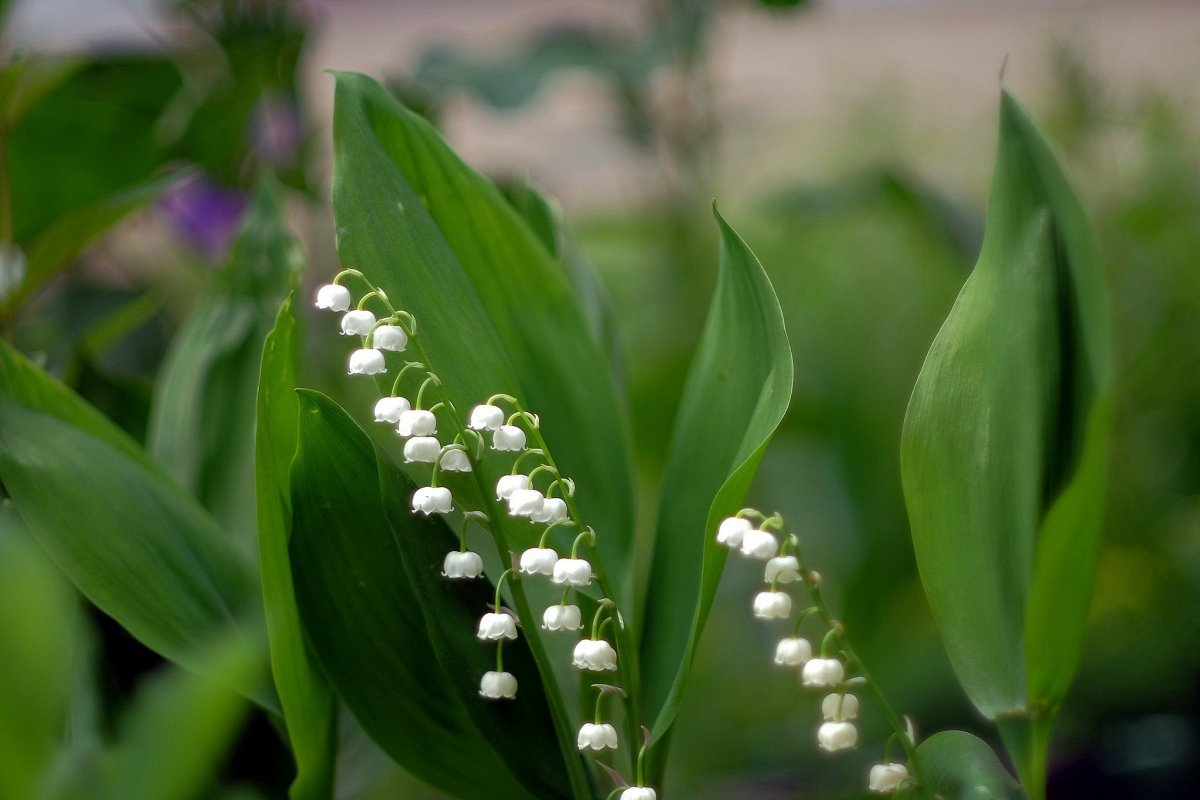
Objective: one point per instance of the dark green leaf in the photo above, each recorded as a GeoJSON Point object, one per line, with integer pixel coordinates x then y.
{"type": "Point", "coordinates": [959, 766]}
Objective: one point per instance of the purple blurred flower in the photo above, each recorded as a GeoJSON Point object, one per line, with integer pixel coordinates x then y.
{"type": "Point", "coordinates": [205, 215]}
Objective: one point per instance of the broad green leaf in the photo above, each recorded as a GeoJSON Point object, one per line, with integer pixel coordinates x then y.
{"type": "Point", "coordinates": [23, 81]}
{"type": "Point", "coordinates": [959, 766]}
{"type": "Point", "coordinates": [365, 621]}
{"type": "Point", "coordinates": [309, 705]}
{"type": "Point", "coordinates": [202, 419]}
{"type": "Point", "coordinates": [1004, 442]}
{"type": "Point", "coordinates": [736, 394]}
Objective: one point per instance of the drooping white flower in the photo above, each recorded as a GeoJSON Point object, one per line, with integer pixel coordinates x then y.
{"type": "Point", "coordinates": [367, 361]}
{"type": "Point", "coordinates": [823, 672]}
{"type": "Point", "coordinates": [493, 627]}
{"type": "Point", "coordinates": [333, 297]}
{"type": "Point", "coordinates": [834, 736]}
{"type": "Point", "coordinates": [597, 737]}
{"type": "Point", "coordinates": [562, 618]}
{"type": "Point", "coordinates": [422, 449]}
{"type": "Point", "coordinates": [417, 422]}
{"type": "Point", "coordinates": [732, 530]}
{"type": "Point", "coordinates": [772, 605]}
{"type": "Point", "coordinates": [357, 323]}
{"type": "Point", "coordinates": [389, 409]}
{"type": "Point", "coordinates": [390, 337]}
{"type": "Point", "coordinates": [639, 793]}
{"type": "Point", "coordinates": [572, 572]}
{"type": "Point", "coordinates": [759, 544]}
{"type": "Point", "coordinates": [887, 778]}
{"type": "Point", "coordinates": [554, 509]}
{"type": "Point", "coordinates": [465, 564]}
{"type": "Point", "coordinates": [793, 652]}
{"type": "Point", "coordinates": [486, 418]}
{"type": "Point", "coordinates": [595, 655]}
{"type": "Point", "coordinates": [455, 461]}
{"type": "Point", "coordinates": [782, 569]}
{"type": "Point", "coordinates": [498, 686]}
{"type": "Point", "coordinates": [839, 707]}
{"type": "Point", "coordinates": [508, 437]}
{"type": "Point", "coordinates": [432, 500]}
{"type": "Point", "coordinates": [509, 484]}
{"type": "Point", "coordinates": [525, 502]}
{"type": "Point", "coordinates": [539, 561]}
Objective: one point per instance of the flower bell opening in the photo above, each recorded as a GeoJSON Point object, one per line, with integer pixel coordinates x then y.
{"type": "Point", "coordinates": [839, 707]}
{"type": "Point", "coordinates": [887, 778]}
{"type": "Point", "coordinates": [793, 652]}
{"type": "Point", "coordinates": [416, 422]}
{"type": "Point", "coordinates": [759, 544]}
{"type": "Point", "coordinates": [389, 409]}
{"type": "Point", "coordinates": [422, 450]}
{"type": "Point", "coordinates": [597, 736]}
{"type": "Point", "coordinates": [493, 627]}
{"type": "Point", "coordinates": [367, 361]}
{"type": "Point", "coordinates": [772, 605]}
{"type": "Point", "coordinates": [463, 564]}
{"type": "Point", "coordinates": [509, 484]}
{"type": "Point", "coordinates": [732, 531]}
{"type": "Point", "coordinates": [508, 438]}
{"type": "Point", "coordinates": [823, 672]}
{"type": "Point", "coordinates": [486, 418]}
{"type": "Point", "coordinates": [357, 323]}
{"type": "Point", "coordinates": [498, 686]}
{"type": "Point", "coordinates": [333, 297]}
{"type": "Point", "coordinates": [455, 461]}
{"type": "Point", "coordinates": [782, 569]}
{"type": "Point", "coordinates": [539, 561]}
{"type": "Point", "coordinates": [594, 655]}
{"type": "Point", "coordinates": [572, 572]}
{"type": "Point", "coordinates": [562, 618]}
{"type": "Point", "coordinates": [390, 337]}
{"type": "Point", "coordinates": [834, 736]}
{"type": "Point", "coordinates": [432, 500]}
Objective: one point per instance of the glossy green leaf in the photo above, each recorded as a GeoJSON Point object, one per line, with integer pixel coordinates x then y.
{"type": "Point", "coordinates": [736, 394]}
{"type": "Point", "coordinates": [1004, 442]}
{"type": "Point", "coordinates": [23, 81]}
{"type": "Point", "coordinates": [309, 705]}
{"type": "Point", "coordinates": [959, 766]}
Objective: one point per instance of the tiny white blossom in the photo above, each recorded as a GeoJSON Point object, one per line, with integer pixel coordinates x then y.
{"type": "Point", "coordinates": [782, 569]}
{"type": "Point", "coordinates": [417, 422]}
{"type": "Point", "coordinates": [793, 652]}
{"type": "Point", "coordinates": [759, 544]}
{"type": "Point", "coordinates": [562, 618]}
{"type": "Point", "coordinates": [486, 418]}
{"type": "Point", "coordinates": [539, 561]}
{"type": "Point", "coordinates": [422, 449]}
{"type": "Point", "coordinates": [464, 564]}
{"type": "Point", "coordinates": [554, 509]}
{"type": "Point", "coordinates": [834, 736]}
{"type": "Point", "coordinates": [493, 627]}
{"type": "Point", "coordinates": [732, 530]}
{"type": "Point", "coordinates": [390, 337]}
{"type": "Point", "coordinates": [572, 572]}
{"type": "Point", "coordinates": [357, 323]}
{"type": "Point", "coordinates": [498, 686]}
{"type": "Point", "coordinates": [432, 500]}
{"type": "Point", "coordinates": [389, 409]}
{"type": "Point", "coordinates": [639, 793]}
{"type": "Point", "coordinates": [597, 737]}
{"type": "Point", "coordinates": [367, 361]}
{"type": "Point", "coordinates": [508, 437]}
{"type": "Point", "coordinates": [823, 672]}
{"type": "Point", "coordinates": [887, 778]}
{"type": "Point", "coordinates": [772, 605]}
{"type": "Point", "coordinates": [595, 655]}
{"type": "Point", "coordinates": [509, 484]}
{"type": "Point", "coordinates": [455, 461]}
{"type": "Point", "coordinates": [839, 707]}
{"type": "Point", "coordinates": [525, 502]}
{"type": "Point", "coordinates": [334, 297]}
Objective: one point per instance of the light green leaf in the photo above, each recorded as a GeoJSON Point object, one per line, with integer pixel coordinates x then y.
{"type": "Point", "coordinates": [24, 81]}
{"type": "Point", "coordinates": [959, 766]}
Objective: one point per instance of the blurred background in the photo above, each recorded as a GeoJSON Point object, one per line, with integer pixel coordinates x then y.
{"type": "Point", "coordinates": [849, 141]}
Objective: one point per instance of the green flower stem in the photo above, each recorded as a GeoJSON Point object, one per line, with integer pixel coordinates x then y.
{"type": "Point", "coordinates": [516, 467]}
{"type": "Point", "coordinates": [800, 620]}
{"type": "Point", "coordinates": [400, 375]}
{"type": "Point", "coordinates": [550, 527]}
{"type": "Point", "coordinates": [430, 378]}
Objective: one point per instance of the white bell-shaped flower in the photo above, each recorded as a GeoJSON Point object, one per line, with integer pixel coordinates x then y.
{"type": "Point", "coordinates": [564, 617]}
{"type": "Point", "coordinates": [486, 418]}
{"type": "Point", "coordinates": [367, 361]}
{"type": "Point", "coordinates": [823, 672]}
{"type": "Point", "coordinates": [422, 450]}
{"type": "Point", "coordinates": [793, 652]}
{"type": "Point", "coordinates": [509, 484]}
{"type": "Point", "coordinates": [508, 437]}
{"type": "Point", "coordinates": [432, 500]}
{"type": "Point", "coordinates": [554, 509]}
{"type": "Point", "coordinates": [597, 737]}
{"type": "Point", "coordinates": [333, 297]}
{"type": "Point", "coordinates": [732, 530]}
{"type": "Point", "coordinates": [572, 572]}
{"type": "Point", "coordinates": [389, 409]}
{"type": "Point", "coordinates": [539, 561]}
{"type": "Point", "coordinates": [417, 422]}
{"type": "Point", "coordinates": [390, 337]}
{"type": "Point", "coordinates": [493, 627]}
{"type": "Point", "coordinates": [455, 461]}
{"type": "Point", "coordinates": [886, 778]}
{"type": "Point", "coordinates": [498, 686]}
{"type": "Point", "coordinates": [464, 564]}
{"type": "Point", "coordinates": [525, 502]}
{"type": "Point", "coordinates": [839, 707]}
{"type": "Point", "coordinates": [595, 655]}
{"type": "Point", "coordinates": [759, 544]}
{"type": "Point", "coordinates": [357, 323]}
{"type": "Point", "coordinates": [772, 605]}
{"type": "Point", "coordinates": [834, 736]}
{"type": "Point", "coordinates": [639, 793]}
{"type": "Point", "coordinates": [782, 569]}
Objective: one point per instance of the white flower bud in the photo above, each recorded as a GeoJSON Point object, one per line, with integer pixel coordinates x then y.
{"type": "Point", "coordinates": [494, 627]}
{"type": "Point", "coordinates": [432, 500]}
{"type": "Point", "coordinates": [839, 707]}
{"type": "Point", "coordinates": [498, 686]}
{"type": "Point", "coordinates": [597, 737]}
{"type": "Point", "coordinates": [486, 418]}
{"type": "Point", "coordinates": [782, 569]}
{"type": "Point", "coordinates": [367, 361]}
{"type": "Point", "coordinates": [823, 672]}
{"type": "Point", "coordinates": [390, 337]}
{"type": "Point", "coordinates": [333, 297]}
{"type": "Point", "coordinates": [732, 530]}
{"type": "Point", "coordinates": [422, 449]}
{"type": "Point", "coordinates": [772, 605]}
{"type": "Point", "coordinates": [562, 618]}
{"type": "Point", "coordinates": [834, 736]}
{"type": "Point", "coordinates": [389, 409]}
{"type": "Point", "coordinates": [595, 655]}
{"type": "Point", "coordinates": [539, 561]}
{"type": "Point", "coordinates": [572, 572]}
{"type": "Point", "coordinates": [525, 502]}
{"type": "Point", "coordinates": [417, 422]}
{"type": "Point", "coordinates": [793, 652]}
{"type": "Point", "coordinates": [759, 544]}
{"type": "Point", "coordinates": [357, 323]}
{"type": "Point", "coordinates": [639, 793]}
{"type": "Point", "coordinates": [455, 461]}
{"type": "Point", "coordinates": [509, 484]}
{"type": "Point", "coordinates": [887, 778]}
{"type": "Point", "coordinates": [554, 509]}
{"type": "Point", "coordinates": [508, 437]}
{"type": "Point", "coordinates": [462, 565]}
